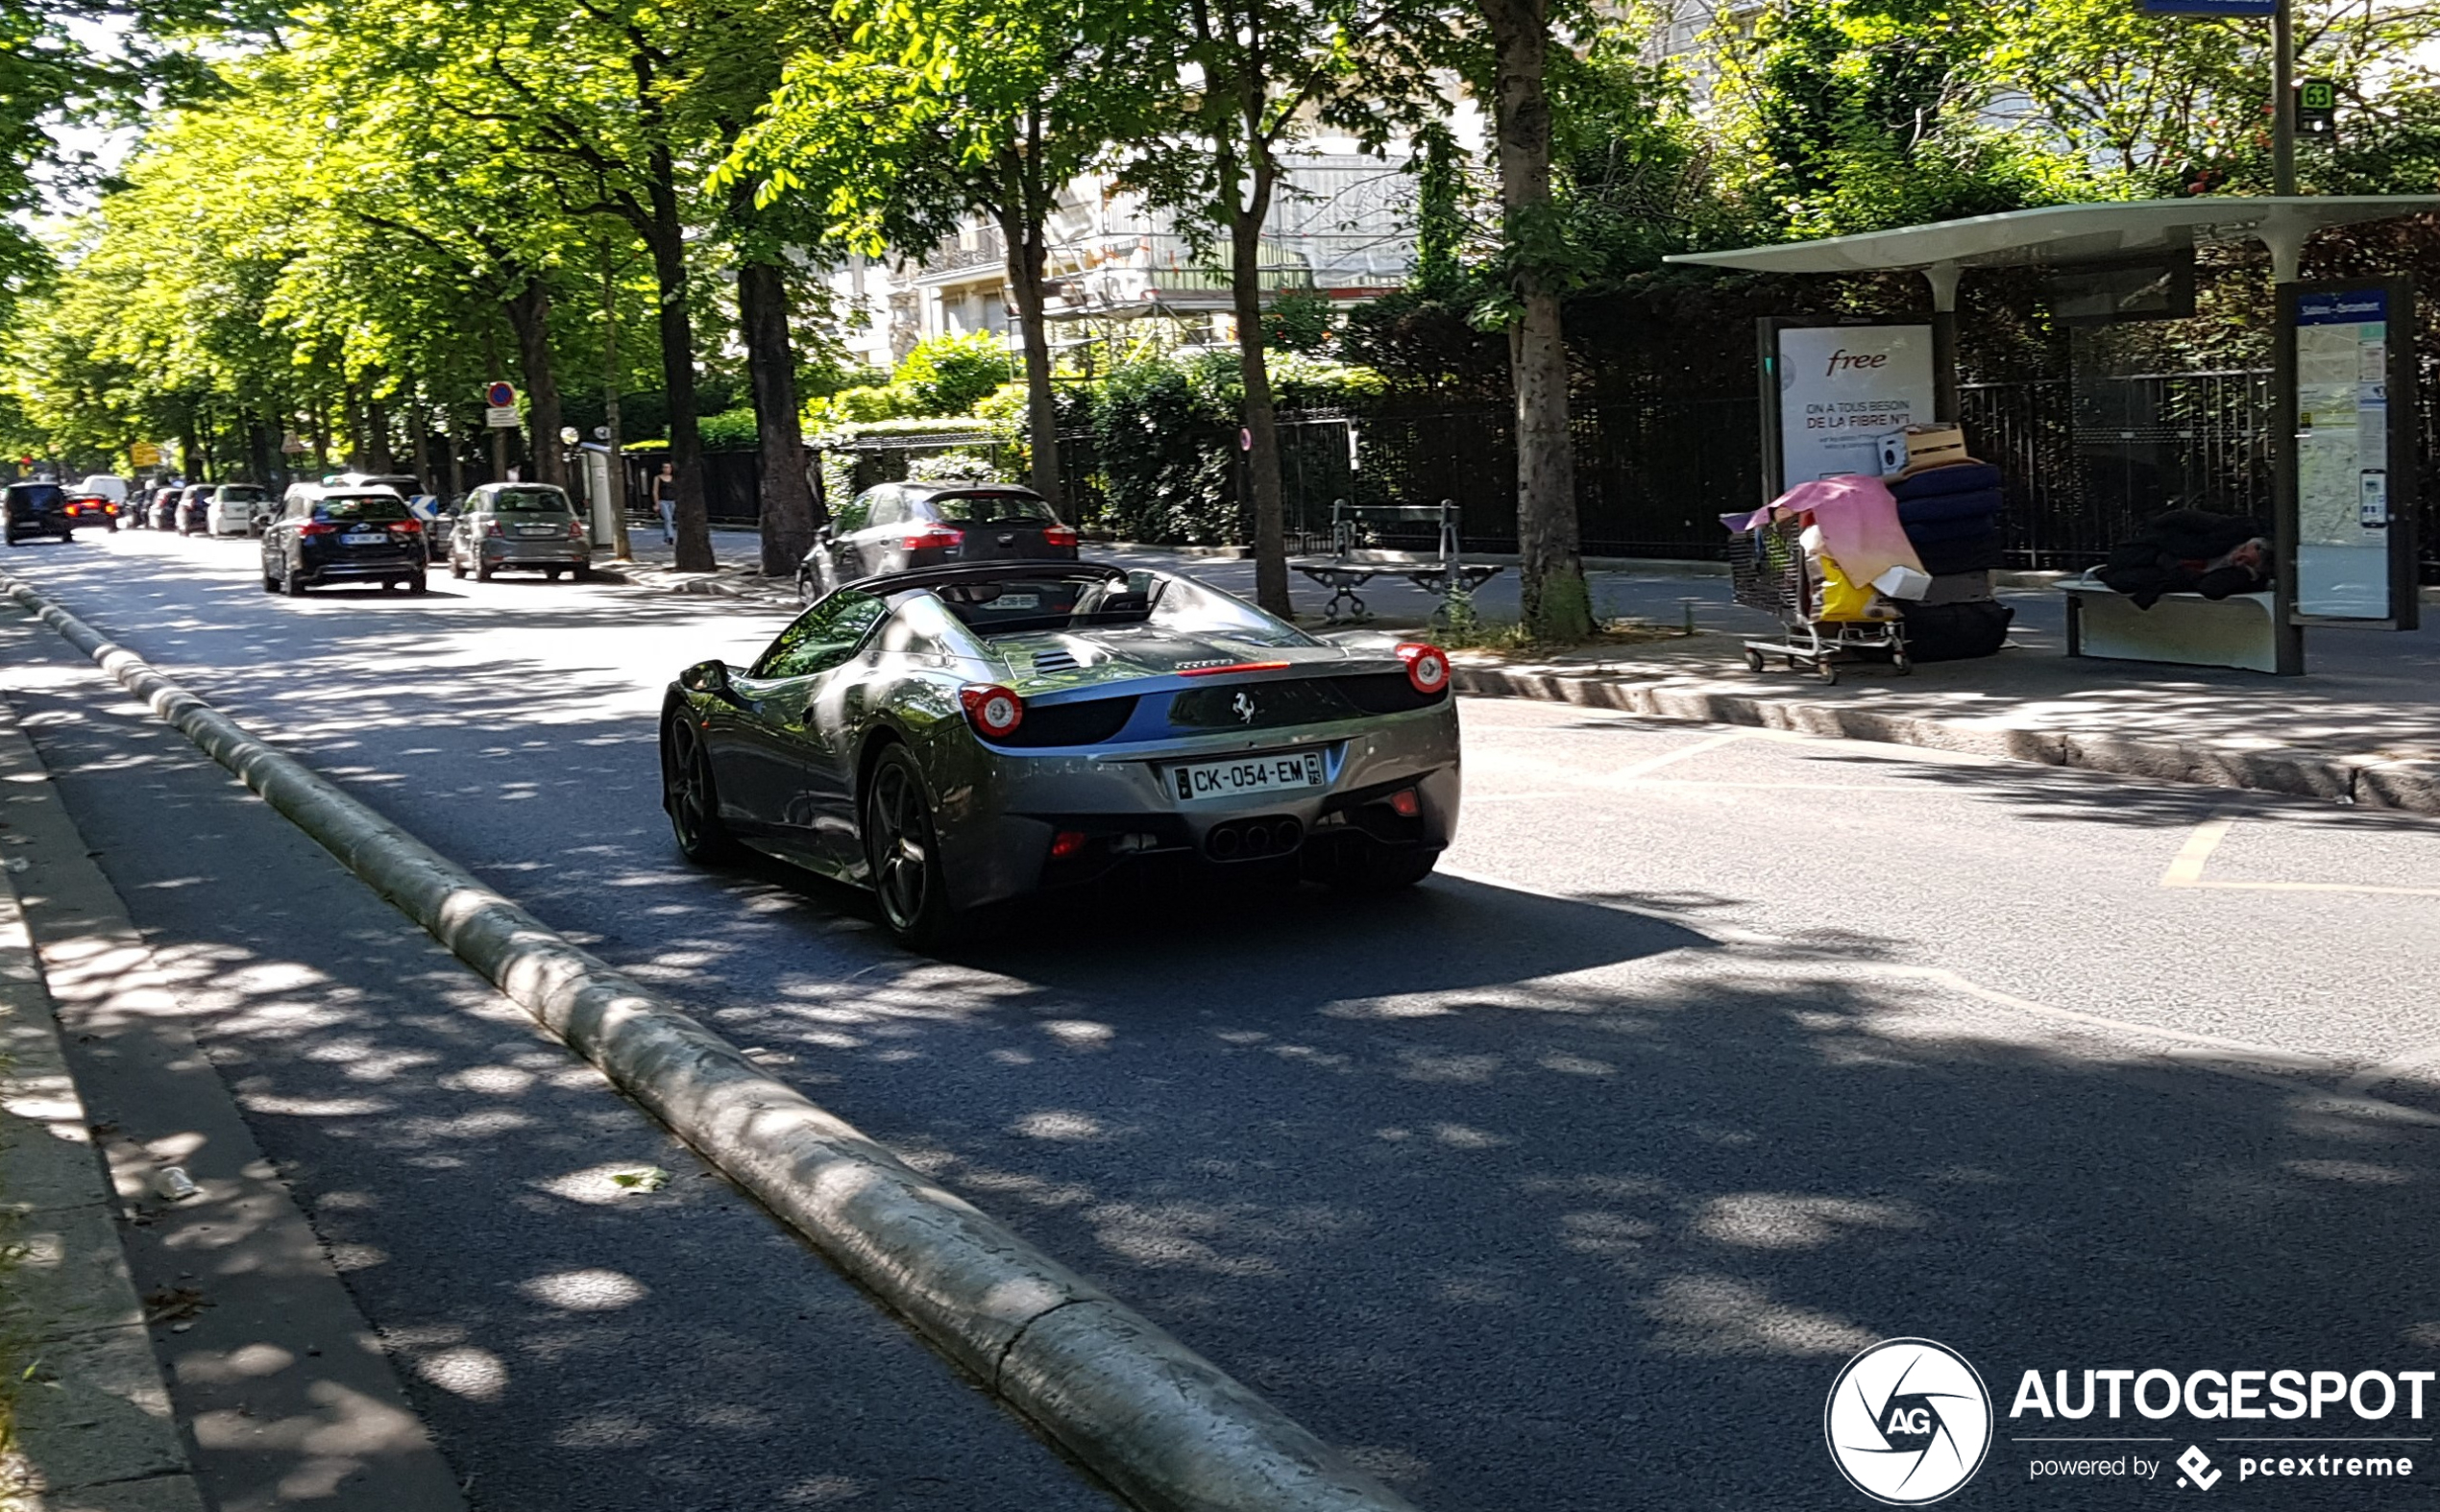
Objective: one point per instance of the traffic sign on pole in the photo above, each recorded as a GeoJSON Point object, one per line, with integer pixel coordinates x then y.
{"type": "Point", "coordinates": [500, 396]}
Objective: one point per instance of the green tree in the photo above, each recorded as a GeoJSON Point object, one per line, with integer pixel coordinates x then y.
{"type": "Point", "coordinates": [936, 112]}
{"type": "Point", "coordinates": [1244, 83]}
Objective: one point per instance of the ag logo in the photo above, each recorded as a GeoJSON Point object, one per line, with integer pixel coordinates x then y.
{"type": "Point", "coordinates": [1908, 1422]}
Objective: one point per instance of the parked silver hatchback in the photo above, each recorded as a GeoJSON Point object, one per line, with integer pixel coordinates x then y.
{"type": "Point", "coordinates": [523, 527]}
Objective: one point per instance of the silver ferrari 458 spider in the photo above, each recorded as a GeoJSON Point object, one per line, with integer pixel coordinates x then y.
{"type": "Point", "coordinates": [959, 736]}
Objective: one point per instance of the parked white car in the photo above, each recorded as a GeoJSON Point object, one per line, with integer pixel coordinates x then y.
{"type": "Point", "coordinates": [108, 485]}
{"type": "Point", "coordinates": [232, 507]}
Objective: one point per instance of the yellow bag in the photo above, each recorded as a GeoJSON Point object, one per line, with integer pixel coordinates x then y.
{"type": "Point", "coordinates": [1840, 602]}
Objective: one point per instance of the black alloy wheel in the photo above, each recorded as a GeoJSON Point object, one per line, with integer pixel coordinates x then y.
{"type": "Point", "coordinates": [902, 848]}
{"type": "Point", "coordinates": [687, 792]}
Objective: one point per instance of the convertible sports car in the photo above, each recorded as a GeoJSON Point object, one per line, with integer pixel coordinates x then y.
{"type": "Point", "coordinates": [953, 737]}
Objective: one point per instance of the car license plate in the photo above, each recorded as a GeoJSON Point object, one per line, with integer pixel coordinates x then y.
{"type": "Point", "coordinates": [537, 530]}
{"type": "Point", "coordinates": [363, 538]}
{"type": "Point", "coordinates": [1230, 779]}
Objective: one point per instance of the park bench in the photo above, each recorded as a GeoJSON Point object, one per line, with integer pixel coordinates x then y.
{"type": "Point", "coordinates": [1354, 527]}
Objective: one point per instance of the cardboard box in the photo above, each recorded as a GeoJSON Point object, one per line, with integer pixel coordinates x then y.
{"type": "Point", "coordinates": [1919, 447]}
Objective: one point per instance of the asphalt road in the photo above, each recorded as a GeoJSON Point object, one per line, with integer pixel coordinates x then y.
{"type": "Point", "coordinates": [1566, 1182]}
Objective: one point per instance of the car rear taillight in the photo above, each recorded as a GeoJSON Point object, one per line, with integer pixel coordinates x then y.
{"type": "Point", "coordinates": [992, 710]}
{"type": "Point", "coordinates": [932, 538]}
{"type": "Point", "coordinates": [406, 528]}
{"type": "Point", "coordinates": [492, 528]}
{"type": "Point", "coordinates": [1426, 666]}
{"type": "Point", "coordinates": [1058, 535]}
{"type": "Point", "coordinates": [1067, 842]}
{"type": "Point", "coordinates": [1405, 804]}
{"type": "Point", "coordinates": [317, 528]}
{"type": "Point", "coordinates": [575, 529]}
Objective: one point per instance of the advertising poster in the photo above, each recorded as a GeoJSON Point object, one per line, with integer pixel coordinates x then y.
{"type": "Point", "coordinates": [1840, 387]}
{"type": "Point", "coordinates": [2342, 455]}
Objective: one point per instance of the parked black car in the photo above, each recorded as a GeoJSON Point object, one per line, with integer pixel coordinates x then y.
{"type": "Point", "coordinates": [335, 535]}
{"type": "Point", "coordinates": [160, 511]}
{"type": "Point", "coordinates": [191, 515]}
{"type": "Point", "coordinates": [900, 526]}
{"type": "Point", "coordinates": [34, 509]}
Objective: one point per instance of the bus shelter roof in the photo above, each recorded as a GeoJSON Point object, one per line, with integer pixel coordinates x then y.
{"type": "Point", "coordinates": [2059, 235]}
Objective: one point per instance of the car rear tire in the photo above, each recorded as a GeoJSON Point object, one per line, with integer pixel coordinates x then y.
{"type": "Point", "coordinates": [903, 851]}
{"type": "Point", "coordinates": [456, 569]}
{"type": "Point", "coordinates": [482, 571]}
{"type": "Point", "coordinates": [415, 584]}
{"type": "Point", "coordinates": [579, 574]}
{"type": "Point", "coordinates": [551, 574]}
{"type": "Point", "coordinates": [291, 584]}
{"type": "Point", "coordinates": [270, 584]}
{"type": "Point", "coordinates": [690, 798]}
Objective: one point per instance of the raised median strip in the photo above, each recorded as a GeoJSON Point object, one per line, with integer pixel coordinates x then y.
{"type": "Point", "coordinates": [2370, 781]}
{"type": "Point", "coordinates": [1165, 1427]}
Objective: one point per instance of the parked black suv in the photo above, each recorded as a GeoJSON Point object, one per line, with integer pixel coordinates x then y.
{"type": "Point", "coordinates": [37, 509]}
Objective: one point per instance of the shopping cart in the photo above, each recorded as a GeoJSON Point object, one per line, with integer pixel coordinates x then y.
{"type": "Point", "coordinates": [1768, 570]}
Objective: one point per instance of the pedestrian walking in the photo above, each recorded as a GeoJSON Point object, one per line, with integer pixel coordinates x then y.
{"type": "Point", "coordinates": [665, 499]}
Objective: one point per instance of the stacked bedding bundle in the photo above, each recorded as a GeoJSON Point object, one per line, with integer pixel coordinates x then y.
{"type": "Point", "coordinates": [1951, 515]}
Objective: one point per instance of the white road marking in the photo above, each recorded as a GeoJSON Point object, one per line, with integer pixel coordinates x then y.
{"type": "Point", "coordinates": [2244, 1059]}
{"type": "Point", "coordinates": [2185, 869]}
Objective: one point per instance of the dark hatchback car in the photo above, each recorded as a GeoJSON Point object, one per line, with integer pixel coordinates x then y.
{"type": "Point", "coordinates": [160, 511]}
{"type": "Point", "coordinates": [34, 509]}
{"type": "Point", "coordinates": [342, 535]}
{"type": "Point", "coordinates": [897, 527]}
{"type": "Point", "coordinates": [191, 515]}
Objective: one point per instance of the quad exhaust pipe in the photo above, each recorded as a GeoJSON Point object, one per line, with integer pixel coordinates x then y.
{"type": "Point", "coordinates": [1253, 840]}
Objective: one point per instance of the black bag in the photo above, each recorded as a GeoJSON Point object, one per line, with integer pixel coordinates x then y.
{"type": "Point", "coordinates": [1956, 632]}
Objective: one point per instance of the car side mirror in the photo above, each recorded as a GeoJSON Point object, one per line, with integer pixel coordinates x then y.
{"type": "Point", "coordinates": [706, 677]}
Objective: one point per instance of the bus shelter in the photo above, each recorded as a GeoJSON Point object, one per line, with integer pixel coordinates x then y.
{"type": "Point", "coordinates": [2342, 426]}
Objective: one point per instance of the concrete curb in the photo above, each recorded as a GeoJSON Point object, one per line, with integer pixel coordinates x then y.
{"type": "Point", "coordinates": [1168, 1429]}
{"type": "Point", "coordinates": [2369, 782]}
{"type": "Point", "coordinates": [94, 1426]}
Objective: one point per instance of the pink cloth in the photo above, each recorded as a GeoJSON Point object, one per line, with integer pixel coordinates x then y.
{"type": "Point", "coordinates": [1859, 524]}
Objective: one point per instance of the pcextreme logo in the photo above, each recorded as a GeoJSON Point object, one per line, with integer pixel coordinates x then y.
{"type": "Point", "coordinates": [1908, 1422]}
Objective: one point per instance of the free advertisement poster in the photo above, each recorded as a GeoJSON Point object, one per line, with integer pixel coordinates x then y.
{"type": "Point", "coordinates": [2342, 455]}
{"type": "Point", "coordinates": [1840, 388]}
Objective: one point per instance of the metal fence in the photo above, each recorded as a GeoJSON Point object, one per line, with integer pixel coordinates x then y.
{"type": "Point", "coordinates": [2083, 463]}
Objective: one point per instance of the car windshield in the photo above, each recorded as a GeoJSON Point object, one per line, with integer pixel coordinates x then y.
{"type": "Point", "coordinates": [1001, 508]}
{"type": "Point", "coordinates": [530, 501]}
{"type": "Point", "coordinates": [344, 507]}
{"type": "Point", "coordinates": [1023, 602]}
{"type": "Point", "coordinates": [36, 496]}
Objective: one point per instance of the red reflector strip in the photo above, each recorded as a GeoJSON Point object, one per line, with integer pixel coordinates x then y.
{"type": "Point", "coordinates": [1066, 843]}
{"type": "Point", "coordinates": [1234, 667]}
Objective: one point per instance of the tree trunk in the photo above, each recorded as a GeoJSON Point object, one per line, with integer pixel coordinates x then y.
{"type": "Point", "coordinates": [528, 313]}
{"type": "Point", "coordinates": [378, 458]}
{"type": "Point", "coordinates": [770, 365]}
{"type": "Point", "coordinates": [668, 241]}
{"type": "Point", "coordinates": [1262, 457]}
{"type": "Point", "coordinates": [419, 431]}
{"type": "Point", "coordinates": [1028, 253]}
{"type": "Point", "coordinates": [1550, 569]}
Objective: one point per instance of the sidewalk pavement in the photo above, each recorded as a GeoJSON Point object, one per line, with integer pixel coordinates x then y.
{"type": "Point", "coordinates": [2362, 725]}
{"type": "Point", "coordinates": [95, 1430]}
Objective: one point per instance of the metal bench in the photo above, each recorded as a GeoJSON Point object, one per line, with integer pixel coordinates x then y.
{"type": "Point", "coordinates": [2183, 630]}
{"type": "Point", "coordinates": [1446, 580]}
